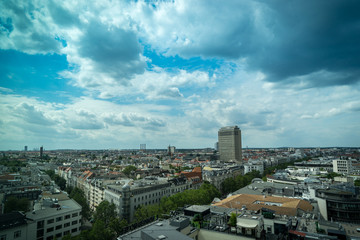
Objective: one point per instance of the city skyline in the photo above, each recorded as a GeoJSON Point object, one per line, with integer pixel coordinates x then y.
{"type": "Point", "coordinates": [114, 75]}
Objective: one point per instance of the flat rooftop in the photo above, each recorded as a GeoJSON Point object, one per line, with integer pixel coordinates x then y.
{"type": "Point", "coordinates": [67, 206]}
{"type": "Point", "coordinates": [156, 230]}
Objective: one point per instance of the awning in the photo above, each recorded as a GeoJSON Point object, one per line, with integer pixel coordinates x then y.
{"type": "Point", "coordinates": [246, 223]}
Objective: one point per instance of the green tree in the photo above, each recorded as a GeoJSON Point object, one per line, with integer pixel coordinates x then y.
{"type": "Point", "coordinates": [78, 195]}
{"type": "Point", "coordinates": [15, 204]}
{"type": "Point", "coordinates": [100, 231]}
{"type": "Point", "coordinates": [357, 182]}
{"type": "Point", "coordinates": [128, 169]}
{"type": "Point", "coordinates": [232, 220]}
{"type": "Point", "coordinates": [105, 212]}
{"type": "Point", "coordinates": [69, 189]}
{"type": "Point", "coordinates": [117, 226]}
{"type": "Point", "coordinates": [140, 214]}
{"type": "Point", "coordinates": [332, 175]}
{"type": "Point", "coordinates": [61, 182]}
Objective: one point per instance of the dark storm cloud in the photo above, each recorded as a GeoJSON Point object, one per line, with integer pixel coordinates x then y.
{"type": "Point", "coordinates": [283, 39]}
{"type": "Point", "coordinates": [312, 36]}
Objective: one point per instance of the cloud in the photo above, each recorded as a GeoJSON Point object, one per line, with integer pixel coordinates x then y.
{"type": "Point", "coordinates": [272, 68]}
{"type": "Point", "coordinates": [284, 41]}
{"type": "Point", "coordinates": [293, 43]}
{"type": "Point", "coordinates": [32, 115]}
{"type": "Point", "coordinates": [26, 28]}
{"type": "Point", "coordinates": [153, 85]}
{"type": "Point", "coordinates": [104, 55]}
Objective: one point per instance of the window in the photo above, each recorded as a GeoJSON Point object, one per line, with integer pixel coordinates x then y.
{"type": "Point", "coordinates": [74, 222]}
{"type": "Point", "coordinates": [73, 230]}
{"type": "Point", "coordinates": [40, 233]}
{"type": "Point", "coordinates": [17, 234]}
{"type": "Point", "coordinates": [50, 229]}
{"type": "Point", "coordinates": [58, 235]}
{"type": "Point", "coordinates": [66, 224]}
{"type": "Point", "coordinates": [50, 238]}
{"type": "Point", "coordinates": [58, 219]}
{"type": "Point", "coordinates": [3, 237]}
{"type": "Point", "coordinates": [67, 216]}
{"type": "Point", "coordinates": [66, 232]}
{"type": "Point", "coordinates": [40, 224]}
{"type": "Point", "coordinates": [75, 214]}
{"type": "Point", "coordinates": [58, 227]}
{"type": "Point", "coordinates": [50, 221]}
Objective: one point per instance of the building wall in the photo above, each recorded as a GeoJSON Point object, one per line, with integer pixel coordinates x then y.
{"type": "Point", "coordinates": [142, 196]}
{"type": "Point", "coordinates": [17, 233]}
{"type": "Point", "coordinates": [342, 166]}
{"type": "Point", "coordinates": [213, 235]}
{"type": "Point", "coordinates": [230, 144]}
{"type": "Point", "coordinates": [58, 226]}
{"type": "Point", "coordinates": [249, 167]}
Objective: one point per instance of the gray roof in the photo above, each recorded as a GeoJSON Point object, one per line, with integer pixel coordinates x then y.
{"type": "Point", "coordinates": [156, 230]}
{"type": "Point", "coordinates": [257, 188]}
{"type": "Point", "coordinates": [198, 208]}
{"type": "Point", "coordinates": [66, 206]}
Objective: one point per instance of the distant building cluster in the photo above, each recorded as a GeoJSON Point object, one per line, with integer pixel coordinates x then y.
{"type": "Point", "coordinates": [302, 193]}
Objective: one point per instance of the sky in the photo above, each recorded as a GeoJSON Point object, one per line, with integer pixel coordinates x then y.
{"type": "Point", "coordinates": [104, 74]}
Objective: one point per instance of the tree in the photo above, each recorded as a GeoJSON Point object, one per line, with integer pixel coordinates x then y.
{"type": "Point", "coordinates": [332, 175]}
{"type": "Point", "coordinates": [99, 231]}
{"type": "Point", "coordinates": [141, 214]}
{"type": "Point", "coordinates": [78, 195]}
{"type": "Point", "coordinates": [232, 220]}
{"type": "Point", "coordinates": [15, 204]}
{"type": "Point", "coordinates": [69, 189]}
{"type": "Point", "coordinates": [357, 182]}
{"type": "Point", "coordinates": [105, 212]}
{"type": "Point", "coordinates": [117, 226]}
{"type": "Point", "coordinates": [61, 182]}
{"type": "Point", "coordinates": [127, 170]}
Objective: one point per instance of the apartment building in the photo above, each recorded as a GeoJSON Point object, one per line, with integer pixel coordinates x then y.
{"type": "Point", "coordinates": [217, 174]}
{"type": "Point", "coordinates": [50, 219]}
{"type": "Point", "coordinates": [128, 195]}
{"type": "Point", "coordinates": [342, 166]}
{"type": "Point", "coordinates": [254, 166]}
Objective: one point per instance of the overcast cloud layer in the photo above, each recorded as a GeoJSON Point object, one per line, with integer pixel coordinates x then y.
{"type": "Point", "coordinates": [115, 74]}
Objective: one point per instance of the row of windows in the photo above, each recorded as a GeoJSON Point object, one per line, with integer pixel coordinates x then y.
{"type": "Point", "coordinates": [146, 203]}
{"type": "Point", "coordinates": [17, 234]}
{"type": "Point", "coordinates": [50, 229]}
{"type": "Point", "coordinates": [161, 193]}
{"type": "Point", "coordinates": [59, 235]}
{"type": "Point", "coordinates": [153, 195]}
{"type": "Point", "coordinates": [58, 219]}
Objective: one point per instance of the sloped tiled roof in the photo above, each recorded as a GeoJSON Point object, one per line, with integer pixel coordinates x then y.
{"type": "Point", "coordinates": [281, 205]}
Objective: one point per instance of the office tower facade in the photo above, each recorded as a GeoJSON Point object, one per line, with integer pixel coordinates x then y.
{"type": "Point", "coordinates": [25, 148]}
{"type": "Point", "coordinates": [41, 152]}
{"type": "Point", "coordinates": [171, 150]}
{"type": "Point", "coordinates": [229, 139]}
{"type": "Point", "coordinates": [143, 147]}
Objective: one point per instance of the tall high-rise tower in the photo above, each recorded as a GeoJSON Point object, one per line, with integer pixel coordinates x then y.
{"type": "Point", "coordinates": [41, 152]}
{"type": "Point", "coordinates": [230, 144]}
